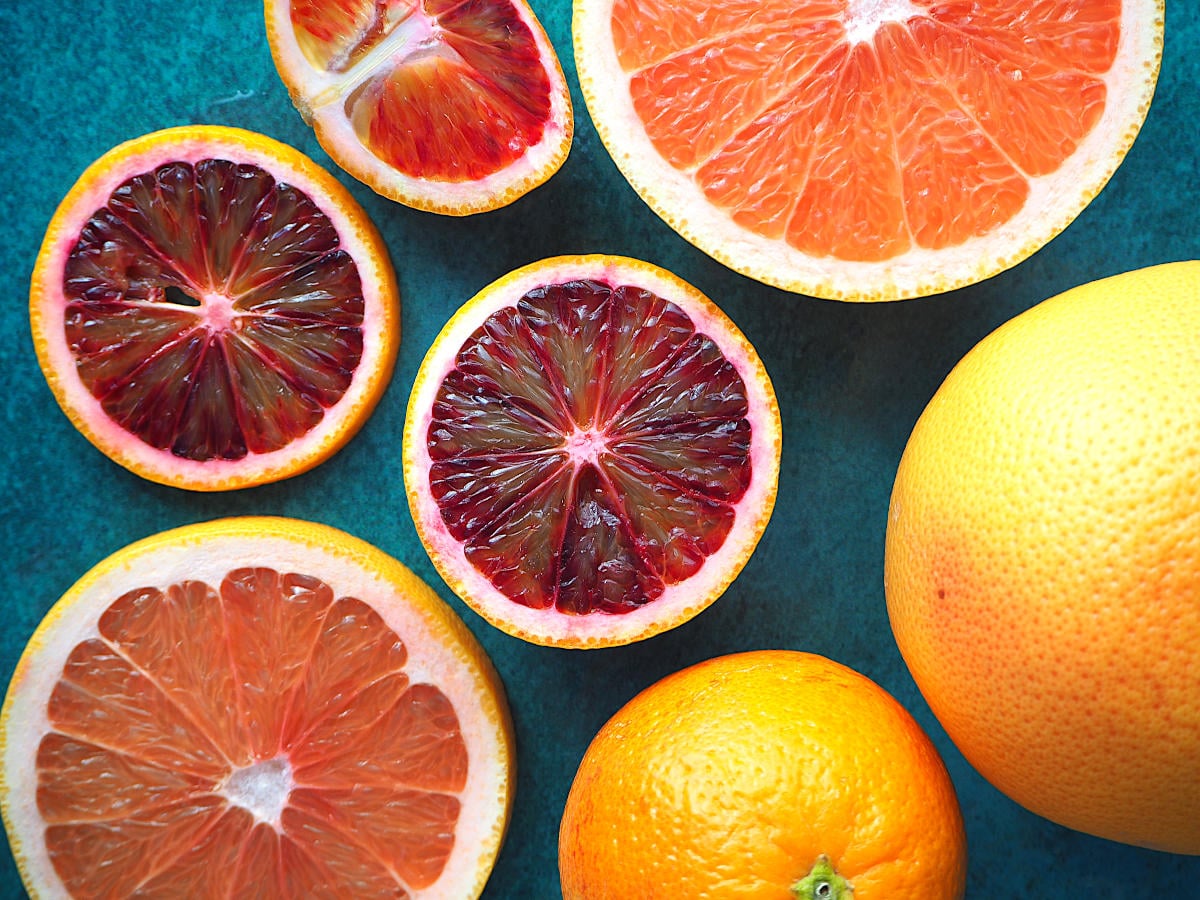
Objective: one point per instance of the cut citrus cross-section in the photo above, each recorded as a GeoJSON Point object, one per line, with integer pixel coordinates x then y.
{"type": "Point", "coordinates": [591, 451]}
{"type": "Point", "coordinates": [213, 310]}
{"type": "Point", "coordinates": [254, 707]}
{"type": "Point", "coordinates": [868, 149]}
{"type": "Point", "coordinates": [453, 107]}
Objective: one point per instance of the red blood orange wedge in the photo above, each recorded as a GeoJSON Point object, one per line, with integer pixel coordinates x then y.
{"type": "Point", "coordinates": [254, 707]}
{"type": "Point", "coordinates": [213, 310]}
{"type": "Point", "coordinates": [591, 451]}
{"type": "Point", "coordinates": [448, 106]}
{"type": "Point", "coordinates": [868, 149]}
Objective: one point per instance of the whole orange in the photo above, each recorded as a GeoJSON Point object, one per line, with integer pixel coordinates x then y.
{"type": "Point", "coordinates": [1043, 557]}
{"type": "Point", "coordinates": [767, 775]}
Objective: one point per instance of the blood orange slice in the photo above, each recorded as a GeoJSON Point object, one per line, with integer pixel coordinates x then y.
{"type": "Point", "coordinates": [868, 149]}
{"type": "Point", "coordinates": [213, 310]}
{"type": "Point", "coordinates": [254, 707]}
{"type": "Point", "coordinates": [448, 106]}
{"type": "Point", "coordinates": [591, 451]}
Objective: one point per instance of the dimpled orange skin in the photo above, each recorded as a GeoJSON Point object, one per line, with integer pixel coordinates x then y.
{"type": "Point", "coordinates": [733, 777]}
{"type": "Point", "coordinates": [1043, 557]}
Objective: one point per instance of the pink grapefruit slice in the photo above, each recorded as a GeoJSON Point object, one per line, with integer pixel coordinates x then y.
{"type": "Point", "coordinates": [868, 149]}
{"type": "Point", "coordinates": [254, 707]}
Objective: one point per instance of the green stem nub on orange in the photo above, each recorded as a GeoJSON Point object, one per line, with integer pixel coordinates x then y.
{"type": "Point", "coordinates": [823, 883]}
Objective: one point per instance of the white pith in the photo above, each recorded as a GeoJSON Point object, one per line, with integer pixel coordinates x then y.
{"type": "Point", "coordinates": [433, 637]}
{"type": "Point", "coordinates": [261, 788]}
{"type": "Point", "coordinates": [380, 318]}
{"type": "Point", "coordinates": [318, 94]}
{"type": "Point", "coordinates": [863, 18]}
{"type": "Point", "coordinates": [678, 602]}
{"type": "Point", "coordinates": [1054, 202]}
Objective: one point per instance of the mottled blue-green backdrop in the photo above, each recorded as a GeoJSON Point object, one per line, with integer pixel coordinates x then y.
{"type": "Point", "coordinates": [82, 77]}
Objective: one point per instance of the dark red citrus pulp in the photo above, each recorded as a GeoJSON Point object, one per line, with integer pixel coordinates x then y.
{"type": "Point", "coordinates": [589, 447]}
{"type": "Point", "coordinates": [211, 310]}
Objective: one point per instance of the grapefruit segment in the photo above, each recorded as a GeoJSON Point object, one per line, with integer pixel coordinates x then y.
{"type": "Point", "coordinates": [591, 451]}
{"type": "Point", "coordinates": [236, 719]}
{"type": "Point", "coordinates": [868, 150]}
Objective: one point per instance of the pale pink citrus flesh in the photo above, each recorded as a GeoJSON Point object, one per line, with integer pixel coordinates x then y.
{"type": "Point", "coordinates": [190, 691]}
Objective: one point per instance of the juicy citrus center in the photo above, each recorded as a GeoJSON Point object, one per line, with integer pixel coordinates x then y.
{"type": "Point", "coordinates": [261, 788]}
{"type": "Point", "coordinates": [212, 311]}
{"type": "Point", "coordinates": [589, 447]}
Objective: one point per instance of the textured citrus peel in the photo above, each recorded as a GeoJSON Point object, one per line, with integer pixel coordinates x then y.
{"type": "Point", "coordinates": [823, 883]}
{"type": "Point", "coordinates": [679, 601]}
{"type": "Point", "coordinates": [357, 235]}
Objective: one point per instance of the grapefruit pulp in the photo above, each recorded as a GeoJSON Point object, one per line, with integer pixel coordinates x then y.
{"type": "Point", "coordinates": [254, 707]}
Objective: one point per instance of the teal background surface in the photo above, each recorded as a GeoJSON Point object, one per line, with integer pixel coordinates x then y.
{"type": "Point", "coordinates": [851, 382]}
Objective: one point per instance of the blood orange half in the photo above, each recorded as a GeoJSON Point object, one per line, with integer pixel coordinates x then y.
{"type": "Point", "coordinates": [448, 106]}
{"type": "Point", "coordinates": [868, 149]}
{"type": "Point", "coordinates": [591, 452]}
{"type": "Point", "coordinates": [213, 310]}
{"type": "Point", "coordinates": [254, 707]}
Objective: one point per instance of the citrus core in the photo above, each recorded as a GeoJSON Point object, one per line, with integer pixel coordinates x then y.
{"type": "Point", "coordinates": [591, 451]}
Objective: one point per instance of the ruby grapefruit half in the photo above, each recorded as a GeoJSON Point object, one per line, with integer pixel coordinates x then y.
{"type": "Point", "coordinates": [591, 451]}
{"type": "Point", "coordinates": [446, 106]}
{"type": "Point", "coordinates": [254, 707]}
{"type": "Point", "coordinates": [868, 149]}
{"type": "Point", "coordinates": [213, 310]}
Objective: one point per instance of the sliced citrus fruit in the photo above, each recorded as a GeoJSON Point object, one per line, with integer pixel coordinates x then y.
{"type": "Point", "coordinates": [448, 106]}
{"type": "Point", "coordinates": [254, 707]}
{"type": "Point", "coordinates": [868, 149]}
{"type": "Point", "coordinates": [213, 310]}
{"type": "Point", "coordinates": [591, 451]}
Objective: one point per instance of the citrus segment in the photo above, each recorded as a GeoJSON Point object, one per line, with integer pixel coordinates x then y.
{"type": "Point", "coordinates": [868, 149]}
{"type": "Point", "coordinates": [447, 106]}
{"type": "Point", "coordinates": [226, 725]}
{"type": "Point", "coordinates": [212, 310]}
{"type": "Point", "coordinates": [591, 451]}
{"type": "Point", "coordinates": [1042, 562]}
{"type": "Point", "coordinates": [769, 774]}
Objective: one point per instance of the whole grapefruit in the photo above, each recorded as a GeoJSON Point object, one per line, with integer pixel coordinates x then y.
{"type": "Point", "coordinates": [1043, 557]}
